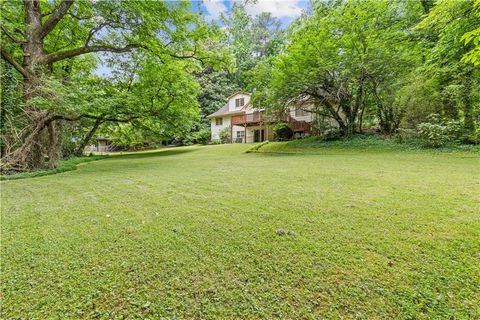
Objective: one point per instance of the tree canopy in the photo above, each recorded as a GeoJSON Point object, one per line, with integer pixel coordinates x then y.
{"type": "Point", "coordinates": [356, 59]}
{"type": "Point", "coordinates": [54, 38]}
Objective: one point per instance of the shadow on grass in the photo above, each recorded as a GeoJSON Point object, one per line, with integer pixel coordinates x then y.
{"type": "Point", "coordinates": [153, 153]}
{"type": "Point", "coordinates": [73, 163]}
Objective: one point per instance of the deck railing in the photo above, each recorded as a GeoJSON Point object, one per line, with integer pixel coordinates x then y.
{"type": "Point", "coordinates": [247, 118]}
{"type": "Point", "coordinates": [251, 118]}
{"type": "Point", "coordinates": [296, 125]}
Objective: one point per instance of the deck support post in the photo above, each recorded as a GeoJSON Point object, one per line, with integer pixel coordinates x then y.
{"type": "Point", "coordinates": [261, 140]}
{"type": "Point", "coordinates": [245, 133]}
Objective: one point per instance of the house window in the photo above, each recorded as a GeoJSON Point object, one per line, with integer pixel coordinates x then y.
{"type": "Point", "coordinates": [218, 121]}
{"type": "Point", "coordinates": [240, 136]}
{"type": "Point", "coordinates": [239, 102]}
{"type": "Point", "coordinates": [300, 113]}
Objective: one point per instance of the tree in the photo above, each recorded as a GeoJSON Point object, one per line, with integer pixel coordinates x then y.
{"type": "Point", "coordinates": [51, 33]}
{"type": "Point", "coordinates": [10, 113]}
{"type": "Point", "coordinates": [448, 57]}
{"type": "Point", "coordinates": [343, 59]}
{"type": "Point", "coordinates": [251, 40]}
{"type": "Point", "coordinates": [473, 37]}
{"type": "Point", "coordinates": [216, 87]}
{"type": "Point", "coordinates": [156, 98]}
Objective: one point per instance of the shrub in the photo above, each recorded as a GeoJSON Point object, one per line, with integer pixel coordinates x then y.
{"type": "Point", "coordinates": [63, 166]}
{"type": "Point", "coordinates": [437, 133]}
{"type": "Point", "coordinates": [471, 137]}
{"type": "Point", "coordinates": [202, 136]}
{"type": "Point", "coordinates": [225, 135]}
{"type": "Point", "coordinates": [282, 132]}
{"type": "Point", "coordinates": [418, 100]}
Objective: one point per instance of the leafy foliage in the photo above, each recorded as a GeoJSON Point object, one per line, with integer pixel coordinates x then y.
{"type": "Point", "coordinates": [344, 58]}
{"type": "Point", "coordinates": [63, 166]}
{"type": "Point", "coordinates": [444, 27]}
{"type": "Point", "coordinates": [215, 86]}
{"type": "Point", "coordinates": [251, 40]}
{"type": "Point", "coordinates": [439, 133]}
{"type": "Point", "coordinates": [225, 135]}
{"type": "Point", "coordinates": [282, 131]}
{"type": "Point", "coordinates": [169, 39]}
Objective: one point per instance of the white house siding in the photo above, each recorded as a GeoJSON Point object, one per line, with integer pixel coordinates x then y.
{"type": "Point", "coordinates": [236, 129]}
{"type": "Point", "coordinates": [231, 101]}
{"type": "Point", "coordinates": [216, 129]}
{"type": "Point", "coordinates": [226, 123]}
{"type": "Point", "coordinates": [250, 133]}
{"type": "Point", "coordinates": [268, 134]}
{"type": "Point", "coordinates": [306, 118]}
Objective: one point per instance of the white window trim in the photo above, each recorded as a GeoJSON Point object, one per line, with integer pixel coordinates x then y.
{"type": "Point", "coordinates": [239, 106]}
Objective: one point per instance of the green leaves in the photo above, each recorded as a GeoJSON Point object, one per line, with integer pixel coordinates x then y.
{"type": "Point", "coordinates": [473, 38]}
{"type": "Point", "coordinates": [346, 56]}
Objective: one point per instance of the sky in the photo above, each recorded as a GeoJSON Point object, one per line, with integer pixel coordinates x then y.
{"type": "Point", "coordinates": [285, 10]}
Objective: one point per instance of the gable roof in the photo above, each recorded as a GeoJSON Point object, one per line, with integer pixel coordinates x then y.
{"type": "Point", "coordinates": [224, 111]}
{"type": "Point", "coordinates": [239, 92]}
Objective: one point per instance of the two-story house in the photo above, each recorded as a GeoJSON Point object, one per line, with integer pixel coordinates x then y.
{"type": "Point", "coordinates": [249, 124]}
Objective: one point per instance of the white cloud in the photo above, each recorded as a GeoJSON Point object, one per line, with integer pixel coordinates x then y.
{"type": "Point", "coordinates": [214, 8]}
{"type": "Point", "coordinates": [278, 8]}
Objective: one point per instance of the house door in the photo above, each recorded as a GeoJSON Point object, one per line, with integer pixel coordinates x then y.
{"type": "Point", "coordinates": [258, 135]}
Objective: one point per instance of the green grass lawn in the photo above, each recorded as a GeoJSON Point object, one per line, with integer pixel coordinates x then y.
{"type": "Point", "coordinates": [192, 233]}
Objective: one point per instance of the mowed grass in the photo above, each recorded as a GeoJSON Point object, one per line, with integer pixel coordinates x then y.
{"type": "Point", "coordinates": [191, 233]}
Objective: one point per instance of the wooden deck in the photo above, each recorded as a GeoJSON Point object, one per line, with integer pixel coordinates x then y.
{"type": "Point", "coordinates": [299, 126]}
{"type": "Point", "coordinates": [248, 119]}
{"type": "Point", "coordinates": [254, 119]}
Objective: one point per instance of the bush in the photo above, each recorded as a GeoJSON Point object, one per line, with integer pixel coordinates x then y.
{"type": "Point", "coordinates": [63, 166]}
{"type": "Point", "coordinates": [418, 100]}
{"type": "Point", "coordinates": [225, 135]}
{"type": "Point", "coordinates": [470, 137]}
{"type": "Point", "coordinates": [331, 134]}
{"type": "Point", "coordinates": [474, 137]}
{"type": "Point", "coordinates": [202, 136]}
{"type": "Point", "coordinates": [437, 133]}
{"type": "Point", "coordinates": [282, 132]}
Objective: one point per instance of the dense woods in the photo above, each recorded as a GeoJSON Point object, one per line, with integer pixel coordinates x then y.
{"type": "Point", "coordinates": [386, 65]}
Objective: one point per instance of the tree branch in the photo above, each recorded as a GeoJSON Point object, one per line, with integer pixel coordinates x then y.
{"type": "Point", "coordinates": [111, 119]}
{"type": "Point", "coordinates": [55, 17]}
{"type": "Point", "coordinates": [57, 56]}
{"type": "Point", "coordinates": [14, 63]}
{"type": "Point", "coordinates": [9, 35]}
{"type": "Point", "coordinates": [102, 118]}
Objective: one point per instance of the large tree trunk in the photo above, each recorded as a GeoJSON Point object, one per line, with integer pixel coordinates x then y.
{"type": "Point", "coordinates": [31, 154]}
{"type": "Point", "coordinates": [32, 49]}
{"type": "Point", "coordinates": [35, 65]}
{"type": "Point", "coordinates": [27, 156]}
